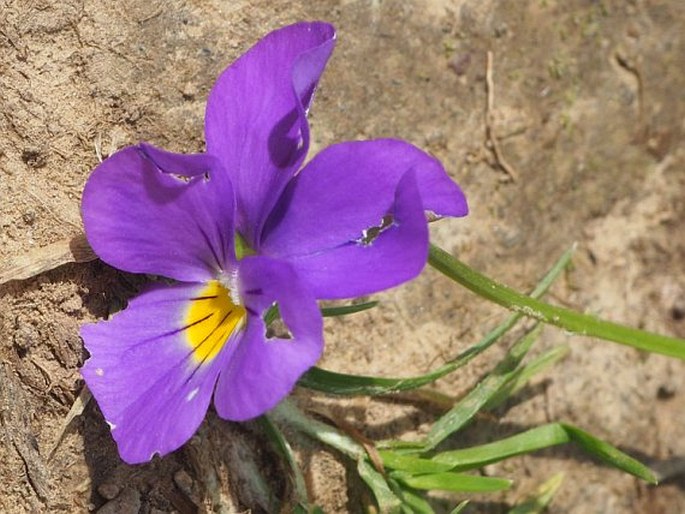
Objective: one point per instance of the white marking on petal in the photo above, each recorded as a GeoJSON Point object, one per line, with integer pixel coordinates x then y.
{"type": "Point", "coordinates": [112, 426]}
{"type": "Point", "coordinates": [229, 279]}
{"type": "Point", "coordinates": [192, 394]}
{"type": "Point", "coordinates": [99, 372]}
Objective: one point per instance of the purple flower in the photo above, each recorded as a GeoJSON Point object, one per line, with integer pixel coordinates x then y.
{"type": "Point", "coordinates": [239, 228]}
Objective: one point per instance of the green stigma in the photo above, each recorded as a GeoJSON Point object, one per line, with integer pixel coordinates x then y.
{"type": "Point", "coordinates": [242, 249]}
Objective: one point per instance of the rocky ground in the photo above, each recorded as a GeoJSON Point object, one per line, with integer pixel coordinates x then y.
{"type": "Point", "coordinates": [587, 112]}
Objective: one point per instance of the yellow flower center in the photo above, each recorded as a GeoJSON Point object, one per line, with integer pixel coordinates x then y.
{"type": "Point", "coordinates": [210, 319]}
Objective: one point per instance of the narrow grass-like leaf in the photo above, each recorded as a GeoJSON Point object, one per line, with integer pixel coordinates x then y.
{"type": "Point", "coordinates": [524, 374]}
{"type": "Point", "coordinates": [387, 500]}
{"type": "Point", "coordinates": [456, 482]}
{"type": "Point", "coordinates": [272, 314]}
{"type": "Point", "coordinates": [538, 438]}
{"type": "Point", "coordinates": [609, 454]}
{"type": "Point", "coordinates": [581, 324]}
{"type": "Point", "coordinates": [411, 463]}
{"type": "Point", "coordinates": [411, 499]}
{"type": "Point", "coordinates": [525, 442]}
{"type": "Point", "coordinates": [538, 502]}
{"type": "Point", "coordinates": [286, 412]}
{"type": "Point", "coordinates": [479, 396]}
{"type": "Point", "coordinates": [330, 382]}
{"type": "Point", "coordinates": [278, 439]}
{"type": "Point", "coordinates": [344, 310]}
{"type": "Point", "coordinates": [460, 508]}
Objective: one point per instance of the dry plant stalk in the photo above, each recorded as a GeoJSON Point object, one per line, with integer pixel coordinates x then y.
{"type": "Point", "coordinates": [40, 260]}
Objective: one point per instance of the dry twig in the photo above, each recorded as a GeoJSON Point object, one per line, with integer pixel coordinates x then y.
{"type": "Point", "coordinates": [489, 123]}
{"type": "Point", "coordinates": [40, 260]}
{"type": "Point", "coordinates": [76, 410]}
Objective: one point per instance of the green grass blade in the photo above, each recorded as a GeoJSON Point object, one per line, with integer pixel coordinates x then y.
{"type": "Point", "coordinates": [387, 500]}
{"type": "Point", "coordinates": [537, 503]}
{"type": "Point", "coordinates": [344, 310]}
{"type": "Point", "coordinates": [609, 454]}
{"type": "Point", "coordinates": [478, 397]}
{"type": "Point", "coordinates": [538, 438]}
{"type": "Point", "coordinates": [524, 374]}
{"type": "Point", "coordinates": [286, 413]}
{"type": "Point", "coordinates": [412, 500]}
{"type": "Point", "coordinates": [411, 463]}
{"type": "Point", "coordinates": [456, 482]}
{"type": "Point", "coordinates": [272, 314]}
{"type": "Point", "coordinates": [460, 508]}
{"type": "Point", "coordinates": [341, 384]}
{"type": "Point", "coordinates": [284, 448]}
{"type": "Point", "coordinates": [526, 442]}
{"type": "Point", "coordinates": [572, 321]}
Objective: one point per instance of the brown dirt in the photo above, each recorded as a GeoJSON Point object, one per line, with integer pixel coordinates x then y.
{"type": "Point", "coordinates": [589, 109]}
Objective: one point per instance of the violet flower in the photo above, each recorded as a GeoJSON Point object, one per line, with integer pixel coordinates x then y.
{"type": "Point", "coordinates": [239, 228]}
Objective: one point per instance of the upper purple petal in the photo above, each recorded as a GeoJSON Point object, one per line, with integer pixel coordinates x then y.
{"type": "Point", "coordinates": [255, 120]}
{"type": "Point", "coordinates": [385, 253]}
{"type": "Point", "coordinates": [262, 371]}
{"type": "Point", "coordinates": [348, 188]}
{"type": "Point", "coordinates": [150, 211]}
{"type": "Point", "coordinates": [143, 373]}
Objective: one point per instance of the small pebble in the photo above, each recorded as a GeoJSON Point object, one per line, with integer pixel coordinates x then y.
{"type": "Point", "coordinates": [127, 502]}
{"type": "Point", "coordinates": [184, 481]}
{"type": "Point", "coordinates": [108, 490]}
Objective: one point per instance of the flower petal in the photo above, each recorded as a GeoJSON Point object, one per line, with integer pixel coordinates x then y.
{"type": "Point", "coordinates": [386, 256]}
{"type": "Point", "coordinates": [153, 366]}
{"type": "Point", "coordinates": [262, 371]}
{"type": "Point", "coordinates": [255, 121]}
{"type": "Point", "coordinates": [348, 188]}
{"type": "Point", "coordinates": [150, 211]}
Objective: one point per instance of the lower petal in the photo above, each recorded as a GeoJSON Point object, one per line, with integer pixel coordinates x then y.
{"type": "Point", "coordinates": [262, 370]}
{"type": "Point", "coordinates": [153, 367]}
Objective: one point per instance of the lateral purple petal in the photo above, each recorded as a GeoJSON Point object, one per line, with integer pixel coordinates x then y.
{"type": "Point", "coordinates": [387, 256]}
{"type": "Point", "coordinates": [255, 121]}
{"type": "Point", "coordinates": [262, 370]}
{"type": "Point", "coordinates": [348, 188]}
{"type": "Point", "coordinates": [151, 388]}
{"type": "Point", "coordinates": [150, 211]}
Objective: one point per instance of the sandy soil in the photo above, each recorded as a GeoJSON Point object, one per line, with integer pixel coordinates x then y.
{"type": "Point", "coordinates": [588, 110]}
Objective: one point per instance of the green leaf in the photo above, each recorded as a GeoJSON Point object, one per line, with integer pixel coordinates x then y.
{"type": "Point", "coordinates": [272, 314]}
{"type": "Point", "coordinates": [387, 500]}
{"type": "Point", "coordinates": [330, 382]}
{"type": "Point", "coordinates": [537, 503]}
{"type": "Point", "coordinates": [519, 379]}
{"type": "Point", "coordinates": [459, 508]}
{"type": "Point", "coordinates": [609, 454]}
{"type": "Point", "coordinates": [572, 321]}
{"type": "Point", "coordinates": [536, 439]}
{"type": "Point", "coordinates": [525, 442]}
{"type": "Point", "coordinates": [286, 412]}
{"type": "Point", "coordinates": [344, 310]}
{"type": "Point", "coordinates": [279, 441]}
{"type": "Point", "coordinates": [413, 500]}
{"type": "Point", "coordinates": [456, 482]}
{"type": "Point", "coordinates": [478, 397]}
{"type": "Point", "coordinates": [411, 463]}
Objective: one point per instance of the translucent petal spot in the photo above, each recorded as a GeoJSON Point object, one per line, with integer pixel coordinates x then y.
{"type": "Point", "coordinates": [192, 394]}
{"type": "Point", "coordinates": [212, 317]}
